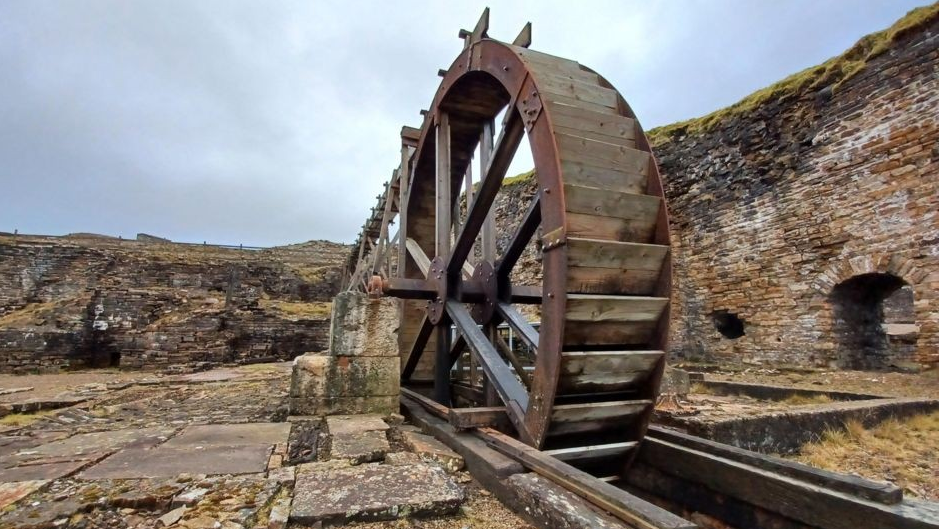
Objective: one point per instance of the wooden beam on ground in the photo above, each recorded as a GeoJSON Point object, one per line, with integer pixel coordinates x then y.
{"type": "Point", "coordinates": [483, 417]}
{"type": "Point", "coordinates": [470, 393]}
{"type": "Point", "coordinates": [631, 509]}
{"type": "Point", "coordinates": [430, 405]}
{"type": "Point", "coordinates": [797, 500]}
{"type": "Point", "coordinates": [879, 491]}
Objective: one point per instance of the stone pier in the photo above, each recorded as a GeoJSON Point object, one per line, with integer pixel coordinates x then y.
{"type": "Point", "coordinates": [360, 371]}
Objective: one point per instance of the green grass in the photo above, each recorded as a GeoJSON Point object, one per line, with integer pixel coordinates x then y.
{"type": "Point", "coordinates": [834, 72]}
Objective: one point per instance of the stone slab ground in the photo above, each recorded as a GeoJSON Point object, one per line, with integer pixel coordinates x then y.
{"type": "Point", "coordinates": [167, 462]}
{"type": "Point", "coordinates": [144, 446]}
{"type": "Point", "coordinates": [373, 492]}
{"type": "Point", "coordinates": [231, 435]}
{"type": "Point", "coordinates": [358, 438]}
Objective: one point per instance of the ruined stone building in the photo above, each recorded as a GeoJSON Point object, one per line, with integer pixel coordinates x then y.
{"type": "Point", "coordinates": [806, 217]}
{"type": "Point", "coordinates": [97, 302]}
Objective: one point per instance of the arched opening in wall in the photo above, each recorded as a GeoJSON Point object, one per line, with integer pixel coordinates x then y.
{"type": "Point", "coordinates": [874, 322]}
{"type": "Point", "coordinates": [728, 324]}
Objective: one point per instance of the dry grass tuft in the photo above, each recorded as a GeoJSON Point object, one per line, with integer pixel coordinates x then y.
{"type": "Point", "coordinates": [701, 389]}
{"type": "Point", "coordinates": [24, 419]}
{"type": "Point", "coordinates": [806, 400]}
{"type": "Point", "coordinates": [900, 451]}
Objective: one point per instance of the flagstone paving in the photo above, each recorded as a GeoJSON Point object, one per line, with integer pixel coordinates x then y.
{"type": "Point", "coordinates": [213, 451]}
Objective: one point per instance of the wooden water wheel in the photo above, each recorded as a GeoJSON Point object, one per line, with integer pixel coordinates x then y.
{"type": "Point", "coordinates": [589, 391]}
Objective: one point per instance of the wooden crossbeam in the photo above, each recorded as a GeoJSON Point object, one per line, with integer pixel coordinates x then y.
{"type": "Point", "coordinates": [631, 509]}
{"type": "Point", "coordinates": [519, 324]}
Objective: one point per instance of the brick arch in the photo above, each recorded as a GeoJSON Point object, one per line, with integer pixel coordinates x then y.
{"type": "Point", "coordinates": [842, 270]}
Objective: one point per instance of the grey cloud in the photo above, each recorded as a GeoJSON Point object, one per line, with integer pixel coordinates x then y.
{"type": "Point", "coordinates": [277, 122]}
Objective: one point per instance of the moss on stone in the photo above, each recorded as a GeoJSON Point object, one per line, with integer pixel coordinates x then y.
{"type": "Point", "coordinates": [519, 178]}
{"type": "Point", "coordinates": [834, 72]}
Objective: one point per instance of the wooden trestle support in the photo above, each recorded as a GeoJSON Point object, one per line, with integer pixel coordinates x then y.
{"type": "Point", "coordinates": [587, 395]}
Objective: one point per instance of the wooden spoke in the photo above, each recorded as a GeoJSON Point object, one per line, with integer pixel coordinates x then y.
{"type": "Point", "coordinates": [519, 240]}
{"type": "Point", "coordinates": [417, 348]}
{"type": "Point", "coordinates": [509, 389]}
{"type": "Point", "coordinates": [459, 345]}
{"type": "Point", "coordinates": [519, 324]}
{"type": "Point", "coordinates": [416, 253]}
{"type": "Point", "coordinates": [513, 359]}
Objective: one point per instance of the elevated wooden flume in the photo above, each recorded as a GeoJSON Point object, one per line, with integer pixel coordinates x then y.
{"type": "Point", "coordinates": [577, 409]}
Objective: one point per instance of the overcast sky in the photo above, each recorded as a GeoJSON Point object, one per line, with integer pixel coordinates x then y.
{"type": "Point", "coordinates": [269, 122]}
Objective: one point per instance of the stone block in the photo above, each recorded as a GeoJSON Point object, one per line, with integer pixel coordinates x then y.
{"type": "Point", "coordinates": [360, 448]}
{"type": "Point", "coordinates": [324, 385]}
{"type": "Point", "coordinates": [675, 381]}
{"type": "Point", "coordinates": [318, 406]}
{"type": "Point", "coordinates": [358, 438]}
{"type": "Point", "coordinates": [373, 492]}
{"type": "Point", "coordinates": [362, 326]}
{"type": "Point", "coordinates": [550, 505]}
{"type": "Point", "coordinates": [431, 449]}
{"type": "Point", "coordinates": [331, 376]}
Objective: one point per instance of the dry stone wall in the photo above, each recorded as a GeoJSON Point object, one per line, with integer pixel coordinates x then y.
{"type": "Point", "coordinates": [78, 302]}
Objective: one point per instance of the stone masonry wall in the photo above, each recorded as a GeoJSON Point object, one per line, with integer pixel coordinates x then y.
{"type": "Point", "coordinates": [772, 208]}
{"type": "Point", "coordinates": [79, 302]}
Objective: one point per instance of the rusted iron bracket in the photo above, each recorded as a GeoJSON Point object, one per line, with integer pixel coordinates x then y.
{"type": "Point", "coordinates": [554, 239]}
{"type": "Point", "coordinates": [528, 103]}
